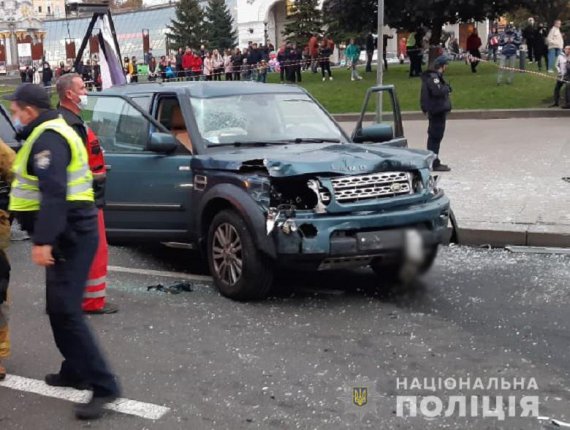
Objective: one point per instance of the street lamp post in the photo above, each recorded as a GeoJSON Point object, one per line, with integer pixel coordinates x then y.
{"type": "Point", "coordinates": [380, 71]}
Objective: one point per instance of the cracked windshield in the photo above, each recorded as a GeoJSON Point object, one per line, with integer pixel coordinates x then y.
{"type": "Point", "coordinates": [271, 118]}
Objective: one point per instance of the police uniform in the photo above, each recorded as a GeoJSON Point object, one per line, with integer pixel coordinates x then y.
{"type": "Point", "coordinates": [435, 102]}
{"type": "Point", "coordinates": [52, 196]}
{"type": "Point", "coordinates": [7, 156]}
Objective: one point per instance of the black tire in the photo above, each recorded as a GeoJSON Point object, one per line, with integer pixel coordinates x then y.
{"type": "Point", "coordinates": [239, 270]}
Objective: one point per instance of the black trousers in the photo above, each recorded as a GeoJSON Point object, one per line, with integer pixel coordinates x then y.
{"type": "Point", "coordinates": [475, 53]}
{"type": "Point", "coordinates": [436, 130]}
{"type": "Point", "coordinates": [558, 89]}
{"type": "Point", "coordinates": [65, 282]}
{"type": "Point", "coordinates": [326, 67]}
{"type": "Point", "coordinates": [369, 57]}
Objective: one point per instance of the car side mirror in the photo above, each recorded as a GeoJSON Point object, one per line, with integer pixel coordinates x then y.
{"type": "Point", "coordinates": [162, 143]}
{"type": "Point", "coordinates": [376, 133]}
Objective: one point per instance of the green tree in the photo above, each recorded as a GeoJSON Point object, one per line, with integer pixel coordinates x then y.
{"type": "Point", "coordinates": [361, 15]}
{"type": "Point", "coordinates": [219, 27]}
{"type": "Point", "coordinates": [187, 28]}
{"type": "Point", "coordinates": [305, 19]}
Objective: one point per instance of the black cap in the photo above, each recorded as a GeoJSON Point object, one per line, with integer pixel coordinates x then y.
{"type": "Point", "coordinates": [31, 94]}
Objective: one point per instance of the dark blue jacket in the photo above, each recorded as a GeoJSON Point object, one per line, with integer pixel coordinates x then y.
{"type": "Point", "coordinates": [510, 41]}
{"type": "Point", "coordinates": [435, 93]}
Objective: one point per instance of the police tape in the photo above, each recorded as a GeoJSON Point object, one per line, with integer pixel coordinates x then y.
{"type": "Point", "coordinates": [472, 59]}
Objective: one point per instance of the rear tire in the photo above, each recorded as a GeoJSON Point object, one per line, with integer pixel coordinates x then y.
{"type": "Point", "coordinates": [239, 270]}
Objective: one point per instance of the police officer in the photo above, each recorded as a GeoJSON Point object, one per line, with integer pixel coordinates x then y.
{"type": "Point", "coordinates": [52, 196]}
{"type": "Point", "coordinates": [72, 98]}
{"type": "Point", "coordinates": [436, 104]}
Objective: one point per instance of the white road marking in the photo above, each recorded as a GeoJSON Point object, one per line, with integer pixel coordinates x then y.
{"type": "Point", "coordinates": [160, 273]}
{"type": "Point", "coordinates": [124, 406]}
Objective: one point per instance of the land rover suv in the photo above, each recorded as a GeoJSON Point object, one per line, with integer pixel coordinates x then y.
{"type": "Point", "coordinates": [258, 176]}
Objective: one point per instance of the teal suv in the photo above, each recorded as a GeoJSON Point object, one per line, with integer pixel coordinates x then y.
{"type": "Point", "coordinates": [259, 176]}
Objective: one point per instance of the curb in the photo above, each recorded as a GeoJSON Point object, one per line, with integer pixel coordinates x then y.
{"type": "Point", "coordinates": [468, 115]}
{"type": "Point", "coordinates": [502, 235]}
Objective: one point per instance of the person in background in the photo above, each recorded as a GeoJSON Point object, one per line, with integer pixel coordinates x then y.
{"type": "Point", "coordinates": [218, 65]}
{"type": "Point", "coordinates": [414, 48]}
{"type": "Point", "coordinates": [325, 61]}
{"type": "Point", "coordinates": [298, 62]}
{"type": "Point", "coordinates": [385, 39]}
{"type": "Point", "coordinates": [529, 33]}
{"type": "Point", "coordinates": [97, 76]}
{"type": "Point", "coordinates": [127, 69]}
{"type": "Point", "coordinates": [30, 74]}
{"type": "Point", "coordinates": [187, 63]}
{"type": "Point", "coordinates": [134, 70]}
{"type": "Point", "coordinates": [181, 71]}
{"type": "Point", "coordinates": [228, 65]}
{"type": "Point", "coordinates": [152, 70]}
{"type": "Point", "coordinates": [473, 45]}
{"type": "Point", "coordinates": [208, 66]}
{"type": "Point", "coordinates": [510, 42]}
{"type": "Point", "coordinates": [47, 76]}
{"type": "Point", "coordinates": [148, 56]}
{"type": "Point", "coordinates": [162, 67]}
{"type": "Point", "coordinates": [436, 104]}
{"type": "Point", "coordinates": [540, 46]}
{"type": "Point", "coordinates": [563, 69]}
{"type": "Point", "coordinates": [314, 52]}
{"type": "Point", "coordinates": [352, 54]}
{"type": "Point", "coordinates": [7, 157]}
{"type": "Point", "coordinates": [371, 45]}
{"type": "Point", "coordinates": [493, 44]}
{"type": "Point", "coordinates": [402, 50]}
{"type": "Point", "coordinates": [262, 71]}
{"type": "Point", "coordinates": [555, 43]}
{"type": "Point", "coordinates": [282, 60]}
{"type": "Point", "coordinates": [237, 63]}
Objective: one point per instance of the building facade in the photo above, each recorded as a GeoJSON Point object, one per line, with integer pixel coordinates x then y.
{"type": "Point", "coordinates": [48, 8]}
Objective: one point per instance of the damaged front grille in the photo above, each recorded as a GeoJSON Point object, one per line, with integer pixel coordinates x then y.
{"type": "Point", "coordinates": [350, 189]}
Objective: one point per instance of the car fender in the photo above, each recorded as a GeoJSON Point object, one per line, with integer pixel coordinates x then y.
{"type": "Point", "coordinates": [248, 208]}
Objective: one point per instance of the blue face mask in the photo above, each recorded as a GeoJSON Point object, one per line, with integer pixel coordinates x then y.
{"type": "Point", "coordinates": [18, 125]}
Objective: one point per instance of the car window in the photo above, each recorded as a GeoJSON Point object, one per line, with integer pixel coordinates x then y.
{"type": "Point", "coordinates": [119, 126]}
{"type": "Point", "coordinates": [143, 100]}
{"type": "Point", "coordinates": [6, 130]}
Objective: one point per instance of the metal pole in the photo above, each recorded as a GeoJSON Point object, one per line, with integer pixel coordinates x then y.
{"type": "Point", "coordinates": [380, 70]}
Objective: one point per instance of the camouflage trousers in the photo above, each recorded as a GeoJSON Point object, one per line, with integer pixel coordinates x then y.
{"type": "Point", "coordinates": [4, 272]}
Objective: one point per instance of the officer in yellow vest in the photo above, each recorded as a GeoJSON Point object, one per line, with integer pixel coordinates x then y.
{"type": "Point", "coordinates": [52, 197]}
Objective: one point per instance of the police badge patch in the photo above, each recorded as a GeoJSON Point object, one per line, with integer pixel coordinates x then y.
{"type": "Point", "coordinates": [42, 160]}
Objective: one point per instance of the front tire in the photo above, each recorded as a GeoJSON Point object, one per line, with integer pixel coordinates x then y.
{"type": "Point", "coordinates": [239, 270]}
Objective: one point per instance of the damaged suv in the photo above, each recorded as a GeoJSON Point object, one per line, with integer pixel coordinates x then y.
{"type": "Point", "coordinates": [260, 176]}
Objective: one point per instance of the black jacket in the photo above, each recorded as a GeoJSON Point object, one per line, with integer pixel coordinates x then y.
{"type": "Point", "coordinates": [48, 160]}
{"type": "Point", "coordinates": [435, 93]}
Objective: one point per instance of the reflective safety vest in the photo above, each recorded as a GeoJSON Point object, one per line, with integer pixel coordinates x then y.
{"type": "Point", "coordinates": [25, 195]}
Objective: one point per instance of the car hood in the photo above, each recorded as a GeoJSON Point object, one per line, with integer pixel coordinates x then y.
{"type": "Point", "coordinates": [302, 159]}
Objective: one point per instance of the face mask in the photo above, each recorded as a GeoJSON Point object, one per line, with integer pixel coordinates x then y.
{"type": "Point", "coordinates": [18, 125]}
{"type": "Point", "coordinates": [83, 102]}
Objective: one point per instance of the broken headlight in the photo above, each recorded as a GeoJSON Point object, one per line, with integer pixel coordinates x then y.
{"type": "Point", "coordinates": [432, 185]}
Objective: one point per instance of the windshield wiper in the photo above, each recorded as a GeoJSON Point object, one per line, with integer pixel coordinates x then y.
{"type": "Point", "coordinates": [251, 143]}
{"type": "Point", "coordinates": [314, 140]}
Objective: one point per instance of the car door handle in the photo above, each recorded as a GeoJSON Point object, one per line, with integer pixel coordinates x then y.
{"type": "Point", "coordinates": [108, 167]}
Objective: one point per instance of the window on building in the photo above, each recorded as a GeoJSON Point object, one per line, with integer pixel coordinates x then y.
{"type": "Point", "coordinates": [39, 8]}
{"type": "Point", "coordinates": [49, 10]}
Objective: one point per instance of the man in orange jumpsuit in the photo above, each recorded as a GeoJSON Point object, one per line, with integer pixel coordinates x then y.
{"type": "Point", "coordinates": [73, 97]}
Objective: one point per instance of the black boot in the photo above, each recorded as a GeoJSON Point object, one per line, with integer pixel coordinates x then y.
{"type": "Point", "coordinates": [94, 409]}
{"type": "Point", "coordinates": [56, 380]}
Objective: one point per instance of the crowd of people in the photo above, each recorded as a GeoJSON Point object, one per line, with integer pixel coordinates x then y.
{"type": "Point", "coordinates": [250, 64]}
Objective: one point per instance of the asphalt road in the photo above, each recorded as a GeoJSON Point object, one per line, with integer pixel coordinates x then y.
{"type": "Point", "coordinates": [291, 361]}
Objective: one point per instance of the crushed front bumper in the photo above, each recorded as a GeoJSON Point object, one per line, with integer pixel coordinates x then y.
{"type": "Point", "coordinates": [354, 239]}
